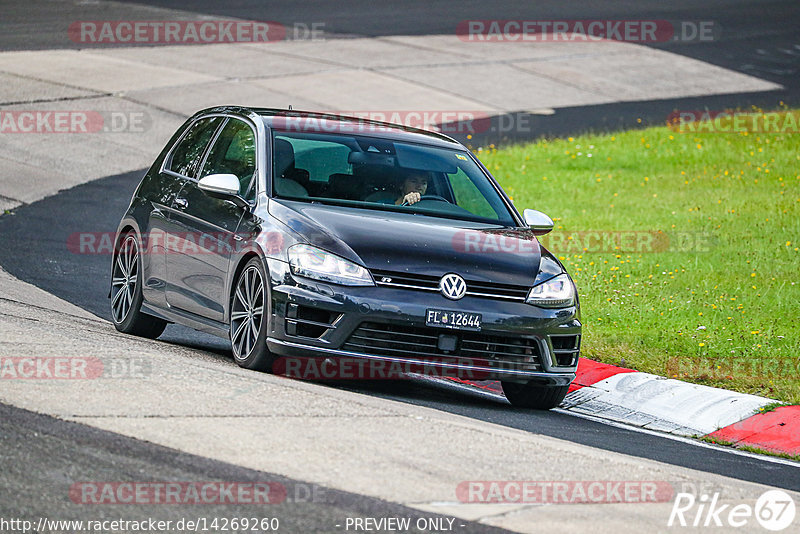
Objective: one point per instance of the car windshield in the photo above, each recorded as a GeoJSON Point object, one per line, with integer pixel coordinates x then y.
{"type": "Point", "coordinates": [381, 174]}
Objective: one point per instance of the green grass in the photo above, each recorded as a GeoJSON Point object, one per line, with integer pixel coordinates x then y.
{"type": "Point", "coordinates": [771, 407]}
{"type": "Point", "coordinates": [707, 289]}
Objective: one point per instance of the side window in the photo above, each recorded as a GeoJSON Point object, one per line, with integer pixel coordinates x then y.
{"type": "Point", "coordinates": [185, 157]}
{"type": "Point", "coordinates": [469, 197]}
{"type": "Point", "coordinates": [234, 152]}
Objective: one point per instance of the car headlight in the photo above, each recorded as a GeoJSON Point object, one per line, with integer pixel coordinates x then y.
{"type": "Point", "coordinates": [558, 292]}
{"type": "Point", "coordinates": [312, 262]}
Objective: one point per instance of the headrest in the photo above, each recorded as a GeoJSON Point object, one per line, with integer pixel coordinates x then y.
{"type": "Point", "coordinates": [283, 157]}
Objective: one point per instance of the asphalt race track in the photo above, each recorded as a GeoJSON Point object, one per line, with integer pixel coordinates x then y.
{"type": "Point", "coordinates": [34, 247]}
{"type": "Point", "coordinates": [98, 455]}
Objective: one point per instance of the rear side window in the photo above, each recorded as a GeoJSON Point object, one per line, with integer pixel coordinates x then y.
{"type": "Point", "coordinates": [321, 159]}
{"type": "Point", "coordinates": [234, 152]}
{"type": "Point", "coordinates": [186, 155]}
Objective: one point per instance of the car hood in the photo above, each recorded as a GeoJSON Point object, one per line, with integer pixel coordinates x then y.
{"type": "Point", "coordinates": [400, 242]}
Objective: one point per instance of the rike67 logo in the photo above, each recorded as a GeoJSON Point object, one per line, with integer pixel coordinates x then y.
{"type": "Point", "coordinates": [774, 510]}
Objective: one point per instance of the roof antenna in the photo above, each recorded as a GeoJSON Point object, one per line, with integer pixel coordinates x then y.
{"type": "Point", "coordinates": [290, 107]}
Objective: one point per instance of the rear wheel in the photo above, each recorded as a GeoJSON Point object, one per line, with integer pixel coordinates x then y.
{"type": "Point", "coordinates": [126, 292]}
{"type": "Point", "coordinates": [534, 395]}
{"type": "Point", "coordinates": [249, 309]}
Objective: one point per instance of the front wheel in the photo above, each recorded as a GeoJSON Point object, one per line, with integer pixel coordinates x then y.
{"type": "Point", "coordinates": [249, 312]}
{"type": "Point", "coordinates": [126, 292]}
{"type": "Point", "coordinates": [533, 395]}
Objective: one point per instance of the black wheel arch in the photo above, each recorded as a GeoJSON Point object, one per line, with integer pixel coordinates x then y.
{"type": "Point", "coordinates": [241, 262]}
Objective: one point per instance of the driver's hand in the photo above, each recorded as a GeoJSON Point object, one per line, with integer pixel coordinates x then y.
{"type": "Point", "coordinates": [411, 198]}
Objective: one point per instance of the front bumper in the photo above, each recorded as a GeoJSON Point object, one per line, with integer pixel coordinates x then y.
{"type": "Point", "coordinates": [517, 342]}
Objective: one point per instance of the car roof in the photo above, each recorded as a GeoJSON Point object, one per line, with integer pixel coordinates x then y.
{"type": "Point", "coordinates": [293, 120]}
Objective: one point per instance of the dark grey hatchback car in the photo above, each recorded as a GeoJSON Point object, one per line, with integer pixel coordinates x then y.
{"type": "Point", "coordinates": [306, 237]}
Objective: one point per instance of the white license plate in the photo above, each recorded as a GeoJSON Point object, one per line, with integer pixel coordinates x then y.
{"type": "Point", "coordinates": [454, 320]}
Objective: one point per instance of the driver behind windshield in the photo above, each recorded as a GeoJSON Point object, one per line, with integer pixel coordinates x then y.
{"type": "Point", "coordinates": [411, 190]}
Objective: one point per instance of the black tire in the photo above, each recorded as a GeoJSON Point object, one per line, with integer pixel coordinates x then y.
{"type": "Point", "coordinates": [249, 348]}
{"type": "Point", "coordinates": [126, 292]}
{"type": "Point", "coordinates": [533, 395]}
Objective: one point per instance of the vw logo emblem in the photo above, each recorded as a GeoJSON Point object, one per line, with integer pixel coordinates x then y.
{"type": "Point", "coordinates": [452, 286]}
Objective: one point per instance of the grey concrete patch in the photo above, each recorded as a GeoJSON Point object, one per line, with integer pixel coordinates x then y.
{"type": "Point", "coordinates": [643, 73]}
{"type": "Point", "coordinates": [22, 181]}
{"type": "Point", "coordinates": [188, 100]}
{"type": "Point", "coordinates": [34, 165]}
{"type": "Point", "coordinates": [496, 52]}
{"type": "Point", "coordinates": [90, 70]}
{"type": "Point", "coordinates": [358, 90]}
{"type": "Point", "coordinates": [502, 86]}
{"type": "Point", "coordinates": [15, 89]}
{"type": "Point", "coordinates": [379, 53]}
{"type": "Point", "coordinates": [235, 61]}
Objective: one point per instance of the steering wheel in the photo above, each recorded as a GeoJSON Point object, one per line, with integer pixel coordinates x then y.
{"type": "Point", "coordinates": [428, 197]}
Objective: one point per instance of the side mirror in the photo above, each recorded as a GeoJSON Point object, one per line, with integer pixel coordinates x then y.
{"type": "Point", "coordinates": [222, 186]}
{"type": "Point", "coordinates": [538, 221]}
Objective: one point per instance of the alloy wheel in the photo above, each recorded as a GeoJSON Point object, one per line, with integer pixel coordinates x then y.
{"type": "Point", "coordinates": [124, 279]}
{"type": "Point", "coordinates": [247, 312]}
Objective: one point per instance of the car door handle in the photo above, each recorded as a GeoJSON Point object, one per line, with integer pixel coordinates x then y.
{"type": "Point", "coordinates": [182, 203]}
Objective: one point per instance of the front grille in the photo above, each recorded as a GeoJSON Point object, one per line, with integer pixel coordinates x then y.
{"type": "Point", "coordinates": [421, 282]}
{"type": "Point", "coordinates": [419, 343]}
{"type": "Point", "coordinates": [566, 349]}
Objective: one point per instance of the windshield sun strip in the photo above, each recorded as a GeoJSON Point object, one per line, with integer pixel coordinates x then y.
{"type": "Point", "coordinates": [395, 209]}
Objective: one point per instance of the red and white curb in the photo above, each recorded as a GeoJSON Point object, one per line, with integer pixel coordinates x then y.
{"type": "Point", "coordinates": [658, 403]}
{"type": "Point", "coordinates": [776, 431]}
{"type": "Point", "coordinates": [675, 407]}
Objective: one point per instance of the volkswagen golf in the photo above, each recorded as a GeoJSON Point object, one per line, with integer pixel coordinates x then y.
{"type": "Point", "coordinates": [300, 235]}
